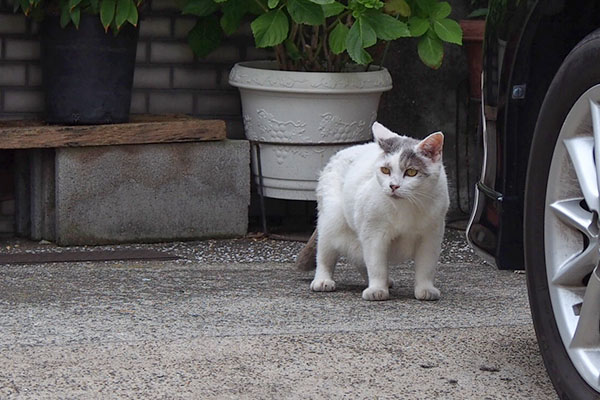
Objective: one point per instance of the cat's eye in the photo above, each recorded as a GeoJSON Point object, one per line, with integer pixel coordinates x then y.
{"type": "Point", "coordinates": [386, 170]}
{"type": "Point", "coordinates": [411, 172]}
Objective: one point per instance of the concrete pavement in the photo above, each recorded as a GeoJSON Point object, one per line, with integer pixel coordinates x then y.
{"type": "Point", "coordinates": [233, 319]}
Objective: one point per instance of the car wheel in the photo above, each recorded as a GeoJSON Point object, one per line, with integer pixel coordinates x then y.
{"type": "Point", "coordinates": [561, 224]}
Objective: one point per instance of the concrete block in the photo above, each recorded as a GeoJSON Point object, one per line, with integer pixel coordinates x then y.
{"type": "Point", "coordinates": [19, 49]}
{"type": "Point", "coordinates": [12, 23]}
{"type": "Point", "coordinates": [170, 52]}
{"type": "Point", "coordinates": [194, 78]}
{"type": "Point", "coordinates": [138, 103]}
{"type": "Point", "coordinates": [22, 193]}
{"type": "Point", "coordinates": [23, 101]}
{"type": "Point", "coordinates": [154, 192]}
{"type": "Point", "coordinates": [13, 75]}
{"type": "Point", "coordinates": [42, 192]}
{"type": "Point", "coordinates": [219, 104]}
{"type": "Point", "coordinates": [165, 103]}
{"type": "Point", "coordinates": [34, 75]}
{"type": "Point", "coordinates": [141, 54]}
{"type": "Point", "coordinates": [155, 27]}
{"type": "Point", "coordinates": [224, 54]}
{"type": "Point", "coordinates": [155, 78]}
{"type": "Point", "coordinates": [183, 26]}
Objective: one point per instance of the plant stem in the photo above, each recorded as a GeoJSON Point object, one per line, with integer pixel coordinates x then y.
{"type": "Point", "coordinates": [385, 50]}
{"type": "Point", "coordinates": [265, 9]}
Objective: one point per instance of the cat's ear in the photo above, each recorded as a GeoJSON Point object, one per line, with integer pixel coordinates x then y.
{"type": "Point", "coordinates": [432, 146]}
{"type": "Point", "coordinates": [385, 138]}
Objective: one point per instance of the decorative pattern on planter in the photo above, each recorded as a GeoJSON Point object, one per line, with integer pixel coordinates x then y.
{"type": "Point", "coordinates": [265, 128]}
{"type": "Point", "coordinates": [284, 152]}
{"type": "Point", "coordinates": [349, 82]}
{"type": "Point", "coordinates": [334, 129]}
{"type": "Point", "coordinates": [264, 80]}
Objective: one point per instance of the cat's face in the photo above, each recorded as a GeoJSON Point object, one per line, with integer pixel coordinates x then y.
{"type": "Point", "coordinates": [407, 168]}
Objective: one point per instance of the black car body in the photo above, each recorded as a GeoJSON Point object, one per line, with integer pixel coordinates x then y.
{"type": "Point", "coordinates": [525, 44]}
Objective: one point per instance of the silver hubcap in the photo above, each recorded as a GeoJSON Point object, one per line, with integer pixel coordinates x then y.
{"type": "Point", "coordinates": [571, 235]}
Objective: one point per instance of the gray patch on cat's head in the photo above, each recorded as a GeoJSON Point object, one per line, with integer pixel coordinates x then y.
{"type": "Point", "coordinates": [390, 146]}
{"type": "Point", "coordinates": [394, 145]}
{"type": "Point", "coordinates": [409, 158]}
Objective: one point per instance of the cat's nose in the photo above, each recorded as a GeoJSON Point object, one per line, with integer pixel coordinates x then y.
{"type": "Point", "coordinates": [394, 187]}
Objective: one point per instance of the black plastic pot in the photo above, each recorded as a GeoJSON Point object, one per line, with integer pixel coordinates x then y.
{"type": "Point", "coordinates": [87, 73]}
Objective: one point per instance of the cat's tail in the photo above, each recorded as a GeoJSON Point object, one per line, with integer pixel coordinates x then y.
{"type": "Point", "coordinates": [307, 258]}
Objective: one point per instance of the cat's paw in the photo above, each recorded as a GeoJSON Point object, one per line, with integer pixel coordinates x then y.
{"type": "Point", "coordinates": [322, 285]}
{"type": "Point", "coordinates": [375, 294]}
{"type": "Point", "coordinates": [427, 293]}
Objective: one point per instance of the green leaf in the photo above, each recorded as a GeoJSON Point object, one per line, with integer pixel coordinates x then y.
{"type": "Point", "coordinates": [397, 7]}
{"type": "Point", "coordinates": [322, 2]}
{"type": "Point", "coordinates": [431, 51]}
{"type": "Point", "coordinates": [256, 7]}
{"type": "Point", "coordinates": [200, 8]}
{"type": "Point", "coordinates": [418, 26]}
{"type": "Point", "coordinates": [373, 4]}
{"type": "Point", "coordinates": [441, 10]}
{"type": "Point", "coordinates": [306, 12]}
{"type": "Point", "coordinates": [387, 27]}
{"type": "Point", "coordinates": [272, 3]}
{"type": "Point", "coordinates": [270, 29]}
{"type": "Point", "coordinates": [76, 16]}
{"type": "Point", "coordinates": [337, 38]}
{"type": "Point", "coordinates": [332, 9]}
{"type": "Point", "coordinates": [107, 13]}
{"type": "Point", "coordinates": [448, 30]}
{"type": "Point", "coordinates": [480, 12]}
{"type": "Point", "coordinates": [205, 36]}
{"type": "Point", "coordinates": [425, 7]}
{"type": "Point", "coordinates": [292, 50]}
{"type": "Point", "coordinates": [360, 36]}
{"type": "Point", "coordinates": [133, 16]}
{"type": "Point", "coordinates": [65, 16]}
{"type": "Point", "coordinates": [366, 32]}
{"type": "Point", "coordinates": [233, 13]}
{"type": "Point", "coordinates": [73, 4]}
{"type": "Point", "coordinates": [122, 12]}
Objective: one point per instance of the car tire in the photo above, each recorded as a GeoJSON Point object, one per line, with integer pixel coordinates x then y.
{"type": "Point", "coordinates": [576, 78]}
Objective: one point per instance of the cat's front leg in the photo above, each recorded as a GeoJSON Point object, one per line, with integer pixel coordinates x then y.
{"type": "Point", "coordinates": [375, 253]}
{"type": "Point", "coordinates": [326, 258]}
{"type": "Point", "coordinates": [426, 258]}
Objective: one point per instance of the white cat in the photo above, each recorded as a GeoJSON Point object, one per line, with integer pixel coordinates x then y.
{"type": "Point", "coordinates": [381, 203]}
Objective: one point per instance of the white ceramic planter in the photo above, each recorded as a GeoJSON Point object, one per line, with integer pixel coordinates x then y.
{"type": "Point", "coordinates": [300, 119]}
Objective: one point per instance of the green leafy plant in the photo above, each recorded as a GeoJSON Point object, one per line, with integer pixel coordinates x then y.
{"type": "Point", "coordinates": [326, 35]}
{"type": "Point", "coordinates": [479, 9]}
{"type": "Point", "coordinates": [113, 13]}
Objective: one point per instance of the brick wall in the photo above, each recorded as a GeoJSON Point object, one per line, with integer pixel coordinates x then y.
{"type": "Point", "coordinates": [168, 77]}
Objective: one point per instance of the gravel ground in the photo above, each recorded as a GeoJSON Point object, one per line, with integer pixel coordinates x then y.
{"type": "Point", "coordinates": [234, 319]}
{"type": "Point", "coordinates": [252, 249]}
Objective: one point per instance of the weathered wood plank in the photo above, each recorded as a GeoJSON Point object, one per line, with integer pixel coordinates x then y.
{"type": "Point", "coordinates": [140, 130]}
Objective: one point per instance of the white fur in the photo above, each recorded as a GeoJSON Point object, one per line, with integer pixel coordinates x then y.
{"type": "Point", "coordinates": [362, 218]}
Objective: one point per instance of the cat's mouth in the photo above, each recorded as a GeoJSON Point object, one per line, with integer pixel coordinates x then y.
{"type": "Point", "coordinates": [396, 195]}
